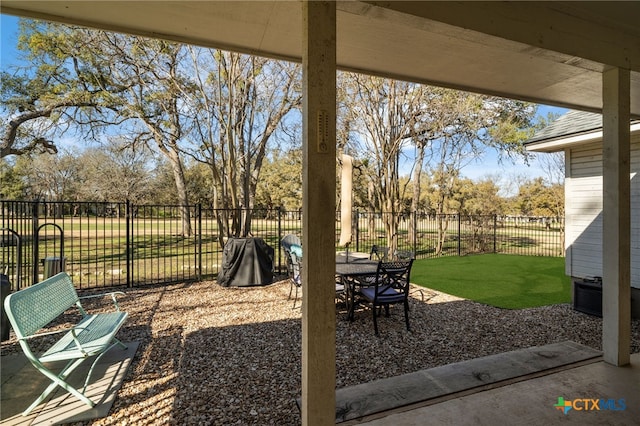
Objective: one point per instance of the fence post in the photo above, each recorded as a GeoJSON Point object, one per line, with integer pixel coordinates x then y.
{"type": "Point", "coordinates": [128, 244]}
{"type": "Point", "coordinates": [415, 235]}
{"type": "Point", "coordinates": [199, 242]}
{"type": "Point", "coordinates": [495, 233]}
{"type": "Point", "coordinates": [279, 239]}
{"type": "Point", "coordinates": [355, 228]}
{"type": "Point", "coordinates": [35, 242]}
{"type": "Point", "coordinates": [459, 236]}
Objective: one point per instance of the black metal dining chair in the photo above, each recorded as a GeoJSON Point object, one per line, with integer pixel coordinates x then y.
{"type": "Point", "coordinates": [295, 275]}
{"type": "Point", "coordinates": [379, 253]}
{"type": "Point", "coordinates": [292, 247]}
{"type": "Point", "coordinates": [391, 287]}
{"type": "Point", "coordinates": [403, 255]}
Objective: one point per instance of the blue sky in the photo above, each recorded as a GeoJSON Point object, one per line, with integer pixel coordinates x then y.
{"type": "Point", "coordinates": [9, 37]}
{"type": "Point", "coordinates": [487, 165]}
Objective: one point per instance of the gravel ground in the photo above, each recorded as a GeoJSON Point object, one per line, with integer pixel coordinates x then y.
{"type": "Point", "coordinates": [218, 356]}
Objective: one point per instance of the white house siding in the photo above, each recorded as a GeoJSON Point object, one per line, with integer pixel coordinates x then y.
{"type": "Point", "coordinates": [583, 215]}
{"type": "Point", "coordinates": [583, 195]}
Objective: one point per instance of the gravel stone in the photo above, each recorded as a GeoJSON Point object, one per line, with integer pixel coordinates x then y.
{"type": "Point", "coordinates": [211, 355]}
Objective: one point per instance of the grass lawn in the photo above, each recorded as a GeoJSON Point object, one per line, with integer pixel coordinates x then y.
{"type": "Point", "coordinates": [505, 281]}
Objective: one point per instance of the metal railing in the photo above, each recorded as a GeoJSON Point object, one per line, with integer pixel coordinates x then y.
{"type": "Point", "coordinates": [455, 235]}
{"type": "Point", "coordinates": [106, 244]}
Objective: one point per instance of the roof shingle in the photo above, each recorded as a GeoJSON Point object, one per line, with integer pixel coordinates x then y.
{"type": "Point", "coordinates": [571, 123]}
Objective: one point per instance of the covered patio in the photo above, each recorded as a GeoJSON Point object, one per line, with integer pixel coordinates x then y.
{"type": "Point", "coordinates": [582, 55]}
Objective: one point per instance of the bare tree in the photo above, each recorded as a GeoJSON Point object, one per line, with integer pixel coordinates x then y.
{"type": "Point", "coordinates": [51, 177]}
{"type": "Point", "coordinates": [466, 126]}
{"type": "Point", "coordinates": [446, 128]}
{"type": "Point", "coordinates": [384, 113]}
{"type": "Point", "coordinates": [151, 69]}
{"type": "Point", "coordinates": [553, 164]}
{"type": "Point", "coordinates": [237, 104]}
{"type": "Point", "coordinates": [117, 172]}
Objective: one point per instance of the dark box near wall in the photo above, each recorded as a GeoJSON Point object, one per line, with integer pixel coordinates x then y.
{"type": "Point", "coordinates": [587, 295]}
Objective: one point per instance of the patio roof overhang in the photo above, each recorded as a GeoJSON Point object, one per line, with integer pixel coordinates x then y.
{"type": "Point", "coordinates": [546, 52]}
{"type": "Point", "coordinates": [560, 143]}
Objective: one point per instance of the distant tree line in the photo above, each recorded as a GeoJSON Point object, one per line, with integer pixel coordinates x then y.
{"type": "Point", "coordinates": [113, 174]}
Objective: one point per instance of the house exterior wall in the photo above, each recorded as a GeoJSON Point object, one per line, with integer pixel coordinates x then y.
{"type": "Point", "coordinates": [583, 210]}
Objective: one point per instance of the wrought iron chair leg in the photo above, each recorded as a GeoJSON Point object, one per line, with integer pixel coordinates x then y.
{"type": "Point", "coordinates": [295, 299]}
{"type": "Point", "coordinates": [406, 314]}
{"type": "Point", "coordinates": [375, 321]}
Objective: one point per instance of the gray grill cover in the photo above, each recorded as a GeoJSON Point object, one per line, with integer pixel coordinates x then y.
{"type": "Point", "coordinates": [246, 262]}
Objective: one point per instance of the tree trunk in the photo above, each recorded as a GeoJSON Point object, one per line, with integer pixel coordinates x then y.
{"type": "Point", "coordinates": [181, 191]}
{"type": "Point", "coordinates": [415, 202]}
{"type": "Point", "coordinates": [371, 227]}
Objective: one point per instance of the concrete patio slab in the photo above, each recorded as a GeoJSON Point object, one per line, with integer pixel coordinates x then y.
{"type": "Point", "coordinates": [21, 385]}
{"type": "Point", "coordinates": [367, 399]}
{"type": "Point", "coordinates": [598, 394]}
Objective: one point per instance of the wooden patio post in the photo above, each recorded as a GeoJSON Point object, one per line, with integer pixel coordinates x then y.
{"type": "Point", "coordinates": [616, 229]}
{"type": "Point", "coordinates": [318, 209]}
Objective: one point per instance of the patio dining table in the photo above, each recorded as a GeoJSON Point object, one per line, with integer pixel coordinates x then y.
{"type": "Point", "coordinates": [354, 273]}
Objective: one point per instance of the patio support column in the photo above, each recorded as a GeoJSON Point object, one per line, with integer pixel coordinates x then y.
{"type": "Point", "coordinates": [616, 232]}
{"type": "Point", "coordinates": [318, 212]}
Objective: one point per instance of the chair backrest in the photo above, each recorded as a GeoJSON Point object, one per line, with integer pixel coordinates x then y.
{"type": "Point", "coordinates": [289, 240]}
{"type": "Point", "coordinates": [394, 275]}
{"type": "Point", "coordinates": [379, 253]}
{"type": "Point", "coordinates": [404, 255]}
{"type": "Point", "coordinates": [292, 247]}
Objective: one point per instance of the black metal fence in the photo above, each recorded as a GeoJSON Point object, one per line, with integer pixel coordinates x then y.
{"type": "Point", "coordinates": [456, 235]}
{"type": "Point", "coordinates": [106, 244]}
